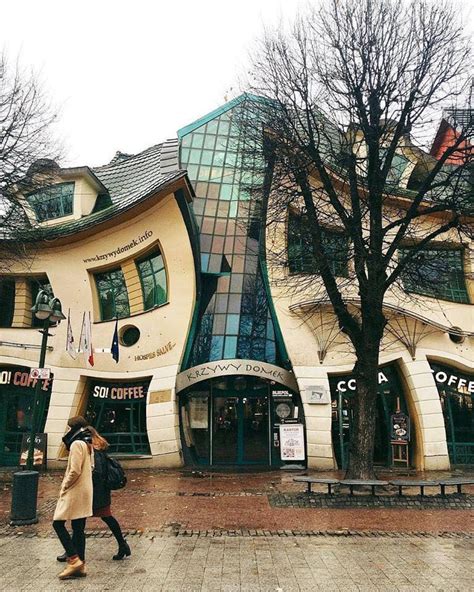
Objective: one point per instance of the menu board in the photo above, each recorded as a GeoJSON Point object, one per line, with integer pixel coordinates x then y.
{"type": "Point", "coordinates": [292, 441]}
{"type": "Point", "coordinates": [400, 427]}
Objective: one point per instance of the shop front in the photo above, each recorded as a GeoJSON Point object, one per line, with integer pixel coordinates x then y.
{"type": "Point", "coordinates": [390, 403]}
{"type": "Point", "coordinates": [17, 392]}
{"type": "Point", "coordinates": [118, 412]}
{"type": "Point", "coordinates": [456, 392]}
{"type": "Point", "coordinates": [236, 420]}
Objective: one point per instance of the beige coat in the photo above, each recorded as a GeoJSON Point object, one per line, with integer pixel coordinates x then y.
{"type": "Point", "coordinates": [75, 496]}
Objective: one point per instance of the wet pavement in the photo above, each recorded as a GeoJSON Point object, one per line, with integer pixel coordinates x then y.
{"type": "Point", "coordinates": [179, 501]}
{"type": "Point", "coordinates": [252, 564]}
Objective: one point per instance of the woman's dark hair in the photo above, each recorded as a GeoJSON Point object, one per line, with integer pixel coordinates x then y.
{"type": "Point", "coordinates": [77, 422]}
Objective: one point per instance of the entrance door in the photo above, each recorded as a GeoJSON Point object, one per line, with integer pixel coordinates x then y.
{"type": "Point", "coordinates": [240, 430]}
{"type": "Point", "coordinates": [390, 396]}
{"type": "Point", "coordinates": [15, 420]}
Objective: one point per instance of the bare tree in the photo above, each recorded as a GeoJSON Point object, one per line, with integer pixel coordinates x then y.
{"type": "Point", "coordinates": [27, 153]}
{"type": "Point", "coordinates": [344, 96]}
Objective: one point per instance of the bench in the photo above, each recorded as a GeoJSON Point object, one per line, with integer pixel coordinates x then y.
{"type": "Point", "coordinates": [458, 483]}
{"type": "Point", "coordinates": [310, 480]}
{"type": "Point", "coordinates": [351, 483]}
{"type": "Point", "coordinates": [421, 484]}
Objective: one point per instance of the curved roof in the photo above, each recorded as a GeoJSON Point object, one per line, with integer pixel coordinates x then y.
{"type": "Point", "coordinates": [127, 181]}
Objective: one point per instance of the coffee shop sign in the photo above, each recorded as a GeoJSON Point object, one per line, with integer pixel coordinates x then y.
{"type": "Point", "coordinates": [242, 367]}
{"type": "Point", "coordinates": [345, 385]}
{"type": "Point", "coordinates": [23, 378]}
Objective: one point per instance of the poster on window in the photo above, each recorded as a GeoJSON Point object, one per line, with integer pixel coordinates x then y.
{"type": "Point", "coordinates": [198, 417]}
{"type": "Point", "coordinates": [39, 450]}
{"type": "Point", "coordinates": [292, 441]}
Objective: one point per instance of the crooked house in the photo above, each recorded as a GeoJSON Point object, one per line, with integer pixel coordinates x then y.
{"type": "Point", "coordinates": [218, 364]}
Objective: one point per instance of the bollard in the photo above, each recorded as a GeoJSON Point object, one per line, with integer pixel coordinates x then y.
{"type": "Point", "coordinates": [24, 498]}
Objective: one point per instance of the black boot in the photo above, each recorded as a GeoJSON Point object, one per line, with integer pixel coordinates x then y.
{"type": "Point", "coordinates": [123, 551]}
{"type": "Point", "coordinates": [62, 558]}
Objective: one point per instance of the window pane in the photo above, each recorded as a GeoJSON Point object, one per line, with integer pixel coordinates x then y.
{"type": "Point", "coordinates": [52, 202]}
{"type": "Point", "coordinates": [113, 295]}
{"type": "Point", "coordinates": [437, 273]}
{"type": "Point", "coordinates": [153, 278]}
{"type": "Point", "coordinates": [300, 256]}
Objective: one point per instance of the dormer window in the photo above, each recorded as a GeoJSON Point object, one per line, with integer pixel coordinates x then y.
{"type": "Point", "coordinates": [54, 201]}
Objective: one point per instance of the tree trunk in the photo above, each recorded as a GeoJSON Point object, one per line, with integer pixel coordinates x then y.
{"type": "Point", "coordinates": [361, 451]}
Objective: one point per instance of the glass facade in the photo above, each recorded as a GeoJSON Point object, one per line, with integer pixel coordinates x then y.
{"type": "Point", "coordinates": [235, 420]}
{"type": "Point", "coordinates": [438, 273]}
{"type": "Point", "coordinates": [113, 295]}
{"type": "Point", "coordinates": [235, 320]}
{"type": "Point", "coordinates": [52, 202]}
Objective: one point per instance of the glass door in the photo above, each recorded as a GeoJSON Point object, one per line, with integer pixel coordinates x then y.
{"type": "Point", "coordinates": [255, 428]}
{"type": "Point", "coordinates": [225, 430]}
{"type": "Point", "coordinates": [240, 430]}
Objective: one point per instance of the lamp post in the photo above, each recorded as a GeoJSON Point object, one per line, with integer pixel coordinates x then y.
{"type": "Point", "coordinates": [25, 483]}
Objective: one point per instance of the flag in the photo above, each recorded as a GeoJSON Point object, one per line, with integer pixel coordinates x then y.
{"type": "Point", "coordinates": [114, 348]}
{"type": "Point", "coordinates": [71, 350]}
{"type": "Point", "coordinates": [85, 343]}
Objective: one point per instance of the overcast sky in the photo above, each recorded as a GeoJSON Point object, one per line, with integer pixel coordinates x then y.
{"type": "Point", "coordinates": [126, 75]}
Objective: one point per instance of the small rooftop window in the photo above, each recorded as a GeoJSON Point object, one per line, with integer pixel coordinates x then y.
{"type": "Point", "coordinates": [54, 201]}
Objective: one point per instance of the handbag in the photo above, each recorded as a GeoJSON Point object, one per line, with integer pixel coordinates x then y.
{"type": "Point", "coordinates": [115, 477]}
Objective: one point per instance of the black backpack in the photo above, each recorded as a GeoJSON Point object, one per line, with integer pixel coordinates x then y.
{"type": "Point", "coordinates": [115, 477]}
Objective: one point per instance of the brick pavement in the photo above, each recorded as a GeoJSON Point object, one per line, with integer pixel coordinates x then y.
{"type": "Point", "coordinates": [247, 564]}
{"type": "Point", "coordinates": [157, 500]}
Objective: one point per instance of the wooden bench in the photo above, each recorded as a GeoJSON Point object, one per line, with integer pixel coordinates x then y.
{"type": "Point", "coordinates": [458, 483]}
{"type": "Point", "coordinates": [407, 483]}
{"type": "Point", "coordinates": [351, 483]}
{"type": "Point", "coordinates": [310, 480]}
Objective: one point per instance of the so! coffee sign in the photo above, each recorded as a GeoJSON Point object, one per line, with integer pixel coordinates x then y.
{"type": "Point", "coordinates": [40, 373]}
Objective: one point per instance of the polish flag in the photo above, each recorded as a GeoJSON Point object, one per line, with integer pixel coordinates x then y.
{"type": "Point", "coordinates": [71, 350]}
{"type": "Point", "coordinates": [85, 343]}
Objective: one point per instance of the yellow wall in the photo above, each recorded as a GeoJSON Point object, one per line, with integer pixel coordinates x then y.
{"type": "Point", "coordinates": [71, 277]}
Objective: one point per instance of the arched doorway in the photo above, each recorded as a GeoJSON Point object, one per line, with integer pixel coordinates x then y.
{"type": "Point", "coordinates": [234, 421]}
{"type": "Point", "coordinates": [390, 400]}
{"type": "Point", "coordinates": [456, 392]}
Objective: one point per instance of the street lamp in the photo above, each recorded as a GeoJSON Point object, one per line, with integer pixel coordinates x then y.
{"type": "Point", "coordinates": [25, 483]}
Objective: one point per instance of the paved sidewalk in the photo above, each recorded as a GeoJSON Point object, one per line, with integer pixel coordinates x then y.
{"type": "Point", "coordinates": [249, 564]}
{"type": "Point", "coordinates": [158, 500]}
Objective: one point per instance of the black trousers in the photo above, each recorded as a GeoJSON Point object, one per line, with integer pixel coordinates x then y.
{"type": "Point", "coordinates": [114, 526]}
{"type": "Point", "coordinates": [75, 545]}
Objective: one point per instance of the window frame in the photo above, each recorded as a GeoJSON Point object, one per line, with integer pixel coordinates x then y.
{"type": "Point", "coordinates": [459, 295]}
{"type": "Point", "coordinates": [97, 276]}
{"type": "Point", "coordinates": [35, 202]}
{"type": "Point", "coordinates": [306, 267]}
{"type": "Point", "coordinates": [156, 252]}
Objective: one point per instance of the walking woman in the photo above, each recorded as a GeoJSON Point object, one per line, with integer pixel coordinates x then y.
{"type": "Point", "coordinates": [75, 497]}
{"type": "Point", "coordinates": [102, 498]}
